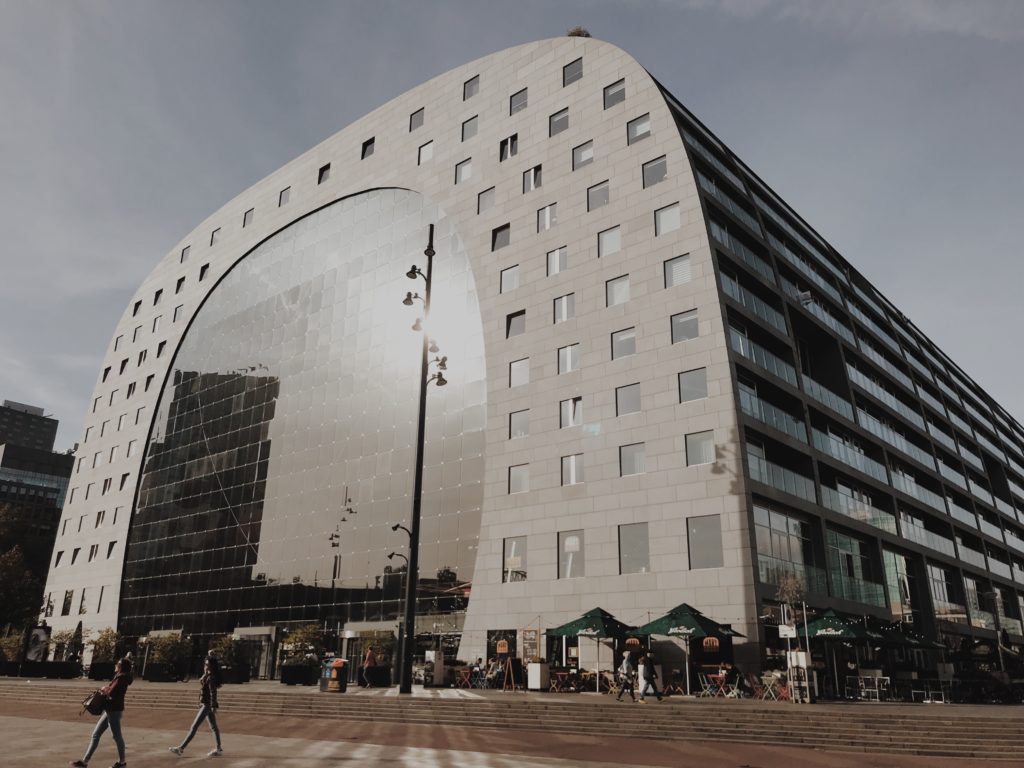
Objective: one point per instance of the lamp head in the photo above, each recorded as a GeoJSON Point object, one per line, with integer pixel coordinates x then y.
{"type": "Point", "coordinates": [441, 380]}
{"type": "Point", "coordinates": [442, 364]}
{"type": "Point", "coordinates": [396, 526]}
{"type": "Point", "coordinates": [418, 325]}
{"type": "Point", "coordinates": [429, 252]}
{"type": "Point", "coordinates": [391, 556]}
{"type": "Point", "coordinates": [413, 272]}
{"type": "Point", "coordinates": [408, 299]}
{"type": "Point", "coordinates": [434, 349]}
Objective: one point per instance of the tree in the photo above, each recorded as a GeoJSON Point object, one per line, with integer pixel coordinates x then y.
{"type": "Point", "coordinates": [20, 591]}
{"type": "Point", "coordinates": [105, 646]}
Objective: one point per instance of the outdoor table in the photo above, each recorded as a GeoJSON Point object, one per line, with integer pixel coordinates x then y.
{"type": "Point", "coordinates": [722, 688]}
{"type": "Point", "coordinates": [561, 682]}
{"type": "Point", "coordinates": [771, 688]}
{"type": "Point", "coordinates": [464, 679]}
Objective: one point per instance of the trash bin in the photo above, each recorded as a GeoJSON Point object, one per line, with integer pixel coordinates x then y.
{"type": "Point", "coordinates": [334, 675]}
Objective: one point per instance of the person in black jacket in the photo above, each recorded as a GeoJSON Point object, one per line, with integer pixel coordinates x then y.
{"type": "Point", "coordinates": [111, 718]}
{"type": "Point", "coordinates": [210, 682]}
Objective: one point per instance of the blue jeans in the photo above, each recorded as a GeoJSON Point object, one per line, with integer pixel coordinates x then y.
{"type": "Point", "coordinates": [205, 712]}
{"type": "Point", "coordinates": [113, 721]}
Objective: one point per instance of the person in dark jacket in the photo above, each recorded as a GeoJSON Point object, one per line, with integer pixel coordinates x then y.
{"type": "Point", "coordinates": [111, 717]}
{"type": "Point", "coordinates": [210, 682]}
{"type": "Point", "coordinates": [650, 677]}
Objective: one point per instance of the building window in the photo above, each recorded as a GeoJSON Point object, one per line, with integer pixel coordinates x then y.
{"type": "Point", "coordinates": [570, 412]}
{"type": "Point", "coordinates": [471, 87]}
{"type": "Point", "coordinates": [666, 219]}
{"type": "Point", "coordinates": [693, 385]}
{"type": "Point", "coordinates": [631, 459]}
{"type": "Point", "coordinates": [518, 478]}
{"type": "Point", "coordinates": [677, 270]}
{"type": "Point", "coordinates": [570, 554]}
{"type": "Point", "coordinates": [138, 414]}
{"type": "Point", "coordinates": [508, 148]}
{"type": "Point", "coordinates": [558, 122]}
{"type": "Point", "coordinates": [323, 174]}
{"type": "Point", "coordinates": [509, 279]}
{"type": "Point", "coordinates": [557, 260]}
{"type": "Point", "coordinates": [614, 94]}
{"type": "Point", "coordinates": [247, 217]}
{"type": "Point", "coordinates": [110, 549]}
{"type": "Point", "coordinates": [623, 343]}
{"type": "Point", "coordinates": [627, 399]}
{"type": "Point", "coordinates": [157, 296]}
{"type": "Point", "coordinates": [124, 364]}
{"type": "Point", "coordinates": [203, 272]}
{"type": "Point", "coordinates": [65, 609]}
{"type": "Point", "coordinates": [547, 217]}
{"type": "Point", "coordinates": [60, 555]}
{"type": "Point", "coordinates": [215, 236]}
{"type": "Point", "coordinates": [582, 155]}
{"type": "Point", "coordinates": [425, 153]}
{"type": "Point", "coordinates": [684, 326]}
{"type": "Point", "coordinates": [704, 537]}
{"type": "Point", "coordinates": [99, 602]}
{"type": "Point", "coordinates": [519, 372]}
{"type": "Point", "coordinates": [149, 381]}
{"type": "Point", "coordinates": [517, 102]}
{"type": "Point", "coordinates": [131, 390]}
{"type": "Point", "coordinates": [93, 551]}
{"type": "Point", "coordinates": [117, 343]}
{"type": "Point", "coordinates": [598, 196]}
{"type": "Point", "coordinates": [514, 559]}
{"type": "Point", "coordinates": [156, 323]}
{"type": "Point", "coordinates": [179, 285]}
{"type": "Point", "coordinates": [136, 333]}
{"type": "Point", "coordinates": [568, 358]}
{"type": "Point", "coordinates": [416, 119]}
{"type": "Point", "coordinates": [185, 252]}
{"type": "Point", "coordinates": [531, 179]}
{"type": "Point", "coordinates": [469, 127]}
{"type": "Point", "coordinates": [107, 484]}
{"type": "Point", "coordinates": [565, 307]}
{"type": "Point", "coordinates": [518, 424]}
{"type": "Point", "coordinates": [464, 170]}
{"type": "Point", "coordinates": [99, 518]}
{"type": "Point", "coordinates": [368, 147]}
{"type": "Point", "coordinates": [160, 348]}
{"type": "Point", "coordinates": [515, 324]}
{"type": "Point", "coordinates": [572, 469]}
{"type": "Point", "coordinates": [616, 291]}
{"type": "Point", "coordinates": [177, 313]}
{"type": "Point", "coordinates": [131, 449]}
{"type": "Point", "coordinates": [608, 242]}
{"type": "Point", "coordinates": [501, 236]}
{"type": "Point", "coordinates": [655, 171]}
{"type": "Point", "coordinates": [638, 129]}
{"type": "Point", "coordinates": [485, 200]}
{"type": "Point", "coordinates": [136, 307]}
{"type": "Point", "coordinates": [284, 196]}
{"type": "Point", "coordinates": [572, 72]}
{"type": "Point", "coordinates": [634, 548]}
{"type": "Point", "coordinates": [700, 448]}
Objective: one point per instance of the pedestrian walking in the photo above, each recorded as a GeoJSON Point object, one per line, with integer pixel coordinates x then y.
{"type": "Point", "coordinates": [209, 682]}
{"type": "Point", "coordinates": [627, 678]}
{"type": "Point", "coordinates": [369, 662]}
{"type": "Point", "coordinates": [650, 677]}
{"type": "Point", "coordinates": [111, 717]}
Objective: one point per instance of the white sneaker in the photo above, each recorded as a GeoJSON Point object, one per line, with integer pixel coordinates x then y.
{"type": "Point", "coordinates": [215, 752]}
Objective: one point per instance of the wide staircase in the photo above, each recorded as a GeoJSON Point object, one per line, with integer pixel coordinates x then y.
{"type": "Point", "coordinates": [933, 730]}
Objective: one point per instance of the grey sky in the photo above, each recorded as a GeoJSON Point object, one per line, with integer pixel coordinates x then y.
{"type": "Point", "coordinates": [894, 127]}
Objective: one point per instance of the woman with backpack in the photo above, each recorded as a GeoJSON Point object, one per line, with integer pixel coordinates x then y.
{"type": "Point", "coordinates": [112, 713]}
{"type": "Point", "coordinates": [210, 682]}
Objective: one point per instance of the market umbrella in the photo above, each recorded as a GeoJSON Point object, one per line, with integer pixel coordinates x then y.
{"type": "Point", "coordinates": [831, 626]}
{"type": "Point", "coordinates": [595, 623]}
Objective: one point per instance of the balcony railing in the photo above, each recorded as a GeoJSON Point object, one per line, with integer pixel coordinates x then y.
{"type": "Point", "coordinates": [805, 269]}
{"type": "Point", "coordinates": [1012, 626]}
{"type": "Point", "coordinates": [772, 570]}
{"type": "Point", "coordinates": [780, 478]}
{"type": "Point", "coordinates": [816, 309]}
{"type": "Point", "coordinates": [837, 449]}
{"type": "Point", "coordinates": [1018, 574]}
{"type": "Point", "coordinates": [965, 516]}
{"type": "Point", "coordinates": [951, 474]}
{"type": "Point", "coordinates": [909, 486]}
{"type": "Point", "coordinates": [882, 394]}
{"type": "Point", "coordinates": [1006, 508]}
{"type": "Point", "coordinates": [990, 528]}
{"type": "Point", "coordinates": [982, 619]}
{"type": "Point", "coordinates": [755, 305]}
{"type": "Point", "coordinates": [999, 568]}
{"type": "Point", "coordinates": [971, 556]}
{"type": "Point", "coordinates": [772, 214]}
{"type": "Point", "coordinates": [858, 590]}
{"type": "Point", "coordinates": [941, 436]}
{"type": "Point", "coordinates": [1013, 541]}
{"type": "Point", "coordinates": [711, 159]}
{"type": "Point", "coordinates": [971, 457]}
{"type": "Point", "coordinates": [762, 357]}
{"type": "Point", "coordinates": [826, 397]}
{"type": "Point", "coordinates": [955, 419]}
{"type": "Point", "coordinates": [949, 611]}
{"type": "Point", "coordinates": [883, 362]}
{"type": "Point", "coordinates": [926, 538]}
{"type": "Point", "coordinates": [980, 492]}
{"type": "Point", "coordinates": [728, 203]}
{"type": "Point", "coordinates": [857, 510]}
{"type": "Point", "coordinates": [773, 416]}
{"type": "Point", "coordinates": [871, 325]}
{"type": "Point", "coordinates": [895, 439]}
{"type": "Point", "coordinates": [922, 369]}
{"type": "Point", "coordinates": [747, 256]}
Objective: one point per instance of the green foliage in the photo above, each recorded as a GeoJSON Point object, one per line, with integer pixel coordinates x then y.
{"type": "Point", "coordinates": [230, 651]}
{"type": "Point", "coordinates": [170, 649]}
{"type": "Point", "coordinates": [20, 591]}
{"type": "Point", "coordinates": [305, 645]}
{"type": "Point", "coordinates": [10, 647]}
{"type": "Point", "coordinates": [104, 647]}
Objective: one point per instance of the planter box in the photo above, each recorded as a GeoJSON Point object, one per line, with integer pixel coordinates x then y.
{"type": "Point", "coordinates": [160, 673]}
{"type": "Point", "coordinates": [10, 668]}
{"type": "Point", "coordinates": [101, 670]}
{"type": "Point", "coordinates": [299, 674]}
{"type": "Point", "coordinates": [236, 675]}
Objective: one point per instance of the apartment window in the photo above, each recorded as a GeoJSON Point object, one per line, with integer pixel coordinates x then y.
{"type": "Point", "coordinates": [598, 196]}
{"type": "Point", "coordinates": [106, 373]}
{"type": "Point", "coordinates": [627, 399]}
{"type": "Point", "coordinates": [323, 174]}
{"type": "Point", "coordinates": [117, 342]}
{"type": "Point", "coordinates": [518, 424]}
{"type": "Point", "coordinates": [177, 313]}
{"type": "Point", "coordinates": [608, 242]}
{"type": "Point", "coordinates": [136, 307]}
{"type": "Point", "coordinates": [156, 323]}
{"type": "Point", "coordinates": [121, 421]}
{"type": "Point", "coordinates": [508, 148]}
{"type": "Point", "coordinates": [568, 358]}
{"type": "Point", "coordinates": [693, 385]}
{"type": "Point", "coordinates": [616, 291]}
{"type": "Point", "coordinates": [158, 296]}
{"type": "Point", "coordinates": [149, 381]}
{"type": "Point", "coordinates": [623, 343]}
{"type": "Point", "coordinates": [558, 260]}
{"type": "Point", "coordinates": [124, 481]}
{"type": "Point", "coordinates": [655, 171]}
{"type": "Point", "coordinates": [99, 602]}
{"type": "Point", "coordinates": [131, 390]}
{"type": "Point", "coordinates": [631, 459]}
{"type": "Point", "coordinates": [284, 196]}
{"type": "Point", "coordinates": [107, 483]}
{"type": "Point", "coordinates": [124, 364]}
{"type": "Point", "coordinates": [517, 101]}
{"type": "Point", "coordinates": [519, 372]}
{"type": "Point", "coordinates": [684, 326]}
{"type": "Point", "coordinates": [113, 453]}
{"type": "Point", "coordinates": [638, 129]}
{"type": "Point", "coordinates": [700, 448]}
{"type": "Point", "coordinates": [416, 119]}
{"type": "Point", "coordinates": [518, 478]}
{"type": "Point", "coordinates": [469, 127]}
{"type": "Point", "coordinates": [96, 404]}
{"type": "Point", "coordinates": [97, 458]}
{"type": "Point", "coordinates": [138, 414]}
{"type": "Point", "coordinates": [60, 556]}
{"type": "Point", "coordinates": [76, 551]}
{"type": "Point", "coordinates": [93, 551]}
{"type": "Point", "coordinates": [547, 217]}
{"type": "Point", "coordinates": [570, 554]}
{"type": "Point", "coordinates": [570, 412]}
{"type": "Point", "coordinates": [485, 200]}
{"type": "Point", "coordinates": [509, 279]}
{"type": "Point", "coordinates": [572, 469]}
{"type": "Point", "coordinates": [100, 517]}
{"type": "Point", "coordinates": [531, 179]}
{"type": "Point", "coordinates": [558, 122]}
{"type": "Point", "coordinates": [368, 147]}
{"type": "Point", "coordinates": [704, 537]}
{"type": "Point", "coordinates": [113, 395]}
{"type": "Point", "coordinates": [179, 285]}
{"type": "Point", "coordinates": [464, 170]}
{"type": "Point", "coordinates": [582, 155]}
{"type": "Point", "coordinates": [110, 549]}
{"type": "Point", "coordinates": [677, 270]}
{"type": "Point", "coordinates": [160, 348]}
{"type": "Point", "coordinates": [203, 272]}
{"type": "Point", "coordinates": [247, 217]}
{"type": "Point", "coordinates": [666, 219]}
{"type": "Point", "coordinates": [614, 93]}
{"type": "Point", "coordinates": [65, 609]}
{"type": "Point", "coordinates": [215, 236]}
{"type": "Point", "coordinates": [515, 324]}
{"type": "Point", "coordinates": [131, 449]}
{"type": "Point", "coordinates": [185, 253]}
{"type": "Point", "coordinates": [565, 307]}
{"type": "Point", "coordinates": [471, 87]}
{"type": "Point", "coordinates": [634, 548]}
{"type": "Point", "coordinates": [425, 153]}
{"type": "Point", "coordinates": [514, 559]}
{"type": "Point", "coordinates": [88, 490]}
{"type": "Point", "coordinates": [501, 236]}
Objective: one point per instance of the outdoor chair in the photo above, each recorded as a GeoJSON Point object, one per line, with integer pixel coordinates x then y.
{"type": "Point", "coordinates": [707, 688]}
{"type": "Point", "coordinates": [676, 684]}
{"type": "Point", "coordinates": [782, 691]}
{"type": "Point", "coordinates": [755, 685]}
{"type": "Point", "coordinates": [609, 684]}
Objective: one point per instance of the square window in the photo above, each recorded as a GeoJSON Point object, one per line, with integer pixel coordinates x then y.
{"type": "Point", "coordinates": [416, 119]}
{"type": "Point", "coordinates": [531, 179]}
{"type": "Point", "coordinates": [547, 217]}
{"type": "Point", "coordinates": [203, 271]}
{"type": "Point", "coordinates": [485, 200]}
{"type": "Point", "coordinates": [666, 219]}
{"type": "Point", "coordinates": [513, 559]}
{"type": "Point", "coordinates": [572, 469]}
{"type": "Point", "coordinates": [284, 196]}
{"type": "Point", "coordinates": [368, 147]}
{"type": "Point", "coordinates": [508, 148]}
{"type": "Point", "coordinates": [700, 448]}
{"type": "Point", "coordinates": [519, 478]}
{"type": "Point", "coordinates": [177, 312]}
{"type": "Point", "coordinates": [616, 291]}
{"type": "Point", "coordinates": [565, 308]}
{"type": "Point", "coordinates": [515, 324]}
{"type": "Point", "coordinates": [582, 155]}
{"type": "Point", "coordinates": [558, 260]}
{"type": "Point", "coordinates": [179, 285]}
{"type": "Point", "coordinates": [558, 122]}
{"type": "Point", "coordinates": [627, 399]}
{"type": "Point", "coordinates": [631, 459]}
{"type": "Point", "coordinates": [572, 72]}
{"type": "Point", "coordinates": [704, 538]}
{"type": "Point", "coordinates": [501, 237]}
{"type": "Point", "coordinates": [655, 171]}
{"type": "Point", "coordinates": [634, 548]}
{"type": "Point", "coordinates": [518, 424]}
{"type": "Point", "coordinates": [425, 153]}
{"type": "Point", "coordinates": [517, 102]}
{"type": "Point", "coordinates": [464, 170]}
{"type": "Point", "coordinates": [609, 242]}
{"type": "Point", "coordinates": [684, 326]}
{"type": "Point", "coordinates": [509, 279]}
{"type": "Point", "coordinates": [623, 343]}
{"type": "Point", "coordinates": [247, 217]}
{"type": "Point", "coordinates": [570, 412]}
{"type": "Point", "coordinates": [614, 94]}
{"type": "Point", "coordinates": [570, 554]}
{"type": "Point", "coordinates": [638, 129]}
{"type": "Point", "coordinates": [693, 385]}
{"type": "Point", "coordinates": [215, 236]}
{"type": "Point", "coordinates": [568, 358]}
{"type": "Point", "coordinates": [519, 372]}
{"type": "Point", "coordinates": [677, 270]}
{"type": "Point", "coordinates": [598, 196]}
{"type": "Point", "coordinates": [323, 174]}
{"type": "Point", "coordinates": [185, 253]}
{"type": "Point", "coordinates": [469, 127]}
{"type": "Point", "coordinates": [471, 87]}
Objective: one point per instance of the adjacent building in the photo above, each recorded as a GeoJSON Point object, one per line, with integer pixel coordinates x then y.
{"type": "Point", "coordinates": [26, 425]}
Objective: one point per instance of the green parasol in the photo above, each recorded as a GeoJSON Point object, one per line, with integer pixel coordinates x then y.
{"type": "Point", "coordinates": [831, 626]}
{"type": "Point", "coordinates": [595, 623]}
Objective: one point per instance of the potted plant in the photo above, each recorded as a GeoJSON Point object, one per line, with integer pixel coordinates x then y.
{"type": "Point", "coordinates": [304, 648]}
{"type": "Point", "coordinates": [230, 651]}
{"type": "Point", "coordinates": [10, 654]}
{"type": "Point", "coordinates": [104, 654]}
{"type": "Point", "coordinates": [167, 658]}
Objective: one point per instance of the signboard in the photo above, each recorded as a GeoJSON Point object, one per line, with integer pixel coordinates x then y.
{"type": "Point", "coordinates": [787, 630]}
{"type": "Point", "coordinates": [530, 641]}
{"type": "Point", "coordinates": [502, 647]}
